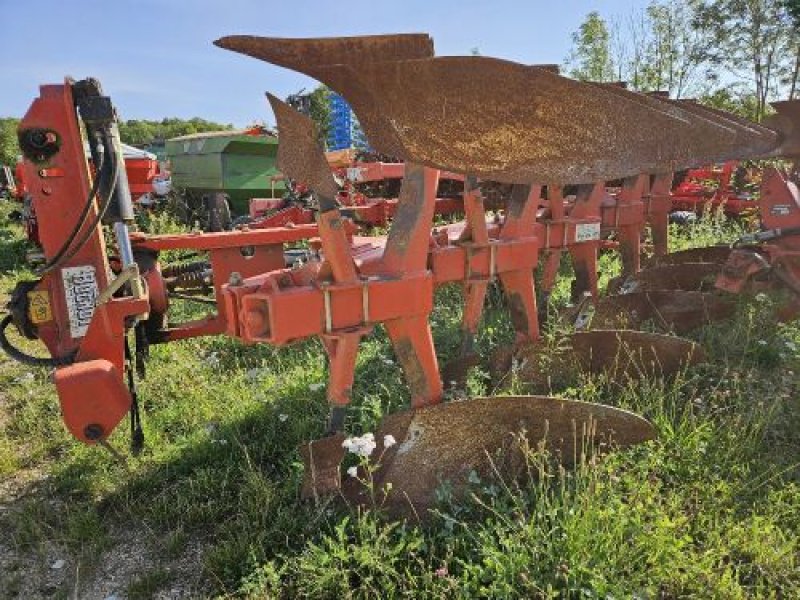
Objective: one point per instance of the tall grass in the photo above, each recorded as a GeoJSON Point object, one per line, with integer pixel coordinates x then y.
{"type": "Point", "coordinates": [709, 509]}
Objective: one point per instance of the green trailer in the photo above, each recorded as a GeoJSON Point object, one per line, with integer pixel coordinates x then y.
{"type": "Point", "coordinates": [241, 164]}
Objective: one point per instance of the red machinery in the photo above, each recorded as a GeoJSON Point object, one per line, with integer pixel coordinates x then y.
{"type": "Point", "coordinates": [712, 186]}
{"type": "Point", "coordinates": [86, 300]}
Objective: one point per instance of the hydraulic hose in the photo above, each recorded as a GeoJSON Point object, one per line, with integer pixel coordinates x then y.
{"type": "Point", "coordinates": [99, 217]}
{"type": "Point", "coordinates": [58, 258]}
{"type": "Point", "coordinates": [27, 359]}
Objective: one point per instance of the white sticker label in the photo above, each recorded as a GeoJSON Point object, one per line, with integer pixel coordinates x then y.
{"type": "Point", "coordinates": [780, 210]}
{"type": "Point", "coordinates": [80, 288]}
{"type": "Point", "coordinates": [585, 232]}
{"type": "Point", "coordinates": [353, 174]}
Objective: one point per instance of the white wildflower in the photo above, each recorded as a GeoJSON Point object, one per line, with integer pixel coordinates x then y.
{"type": "Point", "coordinates": [761, 297]}
{"type": "Point", "coordinates": [762, 342]}
{"type": "Point", "coordinates": [212, 359]}
{"type": "Point", "coordinates": [362, 445]}
{"type": "Point", "coordinates": [352, 471]}
{"type": "Point", "coordinates": [389, 441]}
{"type": "Point", "coordinates": [315, 387]}
{"type": "Point", "coordinates": [59, 564]}
{"type": "Point", "coordinates": [388, 361]}
{"type": "Point", "coordinates": [282, 417]}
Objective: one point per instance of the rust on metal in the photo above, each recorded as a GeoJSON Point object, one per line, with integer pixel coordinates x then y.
{"type": "Point", "coordinates": [704, 254]}
{"type": "Point", "coordinates": [299, 154]}
{"type": "Point", "coordinates": [671, 310]}
{"type": "Point", "coordinates": [689, 277]}
{"type": "Point", "coordinates": [619, 353]}
{"type": "Point", "coordinates": [309, 55]}
{"type": "Point", "coordinates": [449, 442]}
{"type": "Point", "coordinates": [697, 124]}
{"type": "Point", "coordinates": [752, 139]}
{"type": "Point", "coordinates": [786, 122]}
{"type": "Point", "coordinates": [305, 54]}
{"type": "Point", "coordinates": [513, 123]}
{"type": "Point", "coordinates": [322, 459]}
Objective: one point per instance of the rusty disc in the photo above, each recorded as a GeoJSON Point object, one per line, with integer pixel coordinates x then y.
{"type": "Point", "coordinates": [633, 353]}
{"type": "Point", "coordinates": [300, 156]}
{"type": "Point", "coordinates": [705, 254]}
{"type": "Point", "coordinates": [619, 353]}
{"type": "Point", "coordinates": [447, 442]}
{"type": "Point", "coordinates": [699, 276]}
{"type": "Point", "coordinates": [509, 122]}
{"type": "Point", "coordinates": [671, 310]}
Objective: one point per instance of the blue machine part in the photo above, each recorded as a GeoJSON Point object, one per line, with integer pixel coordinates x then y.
{"type": "Point", "coordinates": [345, 132]}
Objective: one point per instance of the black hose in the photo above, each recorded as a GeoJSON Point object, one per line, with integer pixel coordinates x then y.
{"type": "Point", "coordinates": [27, 359]}
{"type": "Point", "coordinates": [89, 231]}
{"type": "Point", "coordinates": [58, 258]}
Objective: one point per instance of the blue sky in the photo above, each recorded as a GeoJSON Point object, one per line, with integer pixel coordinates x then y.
{"type": "Point", "coordinates": [156, 58]}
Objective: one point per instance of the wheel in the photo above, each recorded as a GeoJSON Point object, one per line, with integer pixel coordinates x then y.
{"type": "Point", "coordinates": [218, 212]}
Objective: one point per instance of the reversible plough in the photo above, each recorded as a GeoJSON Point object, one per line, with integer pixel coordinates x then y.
{"type": "Point", "coordinates": [575, 158]}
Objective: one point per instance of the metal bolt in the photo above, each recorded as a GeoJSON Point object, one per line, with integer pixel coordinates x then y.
{"type": "Point", "coordinates": [235, 279]}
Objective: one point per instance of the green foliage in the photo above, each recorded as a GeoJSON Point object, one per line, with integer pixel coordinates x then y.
{"type": "Point", "coordinates": [320, 111]}
{"type": "Point", "coordinates": [709, 509]}
{"type": "Point", "coordinates": [9, 147]}
{"type": "Point", "coordinates": [140, 132]}
{"type": "Point", "coordinates": [590, 59]}
{"type": "Point", "coordinates": [732, 100]}
{"type": "Point", "coordinates": [757, 40]}
{"type": "Point", "coordinates": [666, 52]}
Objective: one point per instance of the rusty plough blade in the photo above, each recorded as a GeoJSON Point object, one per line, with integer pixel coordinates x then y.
{"type": "Point", "coordinates": [705, 254]}
{"type": "Point", "coordinates": [670, 310]}
{"type": "Point", "coordinates": [689, 277]}
{"type": "Point", "coordinates": [620, 354]}
{"type": "Point", "coordinates": [448, 442]}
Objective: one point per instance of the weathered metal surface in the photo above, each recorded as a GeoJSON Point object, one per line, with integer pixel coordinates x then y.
{"type": "Point", "coordinates": [706, 254]}
{"type": "Point", "coordinates": [705, 151]}
{"type": "Point", "coordinates": [448, 442]}
{"type": "Point", "coordinates": [633, 353]}
{"type": "Point", "coordinates": [308, 55]}
{"type": "Point", "coordinates": [299, 154]}
{"type": "Point", "coordinates": [322, 460]}
{"type": "Point", "coordinates": [675, 310]}
{"type": "Point", "coordinates": [753, 139]}
{"type": "Point", "coordinates": [513, 123]}
{"type": "Point", "coordinates": [305, 54]}
{"type": "Point", "coordinates": [455, 371]}
{"type": "Point", "coordinates": [787, 123]}
{"type": "Point", "coordinates": [619, 353]}
{"type": "Point", "coordinates": [689, 277]}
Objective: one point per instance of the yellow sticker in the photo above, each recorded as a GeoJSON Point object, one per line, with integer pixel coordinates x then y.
{"type": "Point", "coordinates": [39, 310]}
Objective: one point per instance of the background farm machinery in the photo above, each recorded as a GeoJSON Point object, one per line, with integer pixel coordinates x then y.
{"type": "Point", "coordinates": [280, 282]}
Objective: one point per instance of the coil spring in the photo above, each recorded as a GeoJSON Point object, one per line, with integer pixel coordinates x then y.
{"type": "Point", "coordinates": [175, 270]}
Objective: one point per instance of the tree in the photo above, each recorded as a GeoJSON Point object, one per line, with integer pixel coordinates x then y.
{"type": "Point", "coordinates": [793, 9]}
{"type": "Point", "coordinates": [590, 59]}
{"type": "Point", "coordinates": [672, 50]}
{"type": "Point", "coordinates": [9, 148]}
{"type": "Point", "coordinates": [755, 40]}
{"type": "Point", "coordinates": [733, 100]}
{"type": "Point", "coordinates": [141, 132]}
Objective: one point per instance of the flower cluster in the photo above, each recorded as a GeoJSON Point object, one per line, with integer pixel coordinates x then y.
{"type": "Point", "coordinates": [360, 445]}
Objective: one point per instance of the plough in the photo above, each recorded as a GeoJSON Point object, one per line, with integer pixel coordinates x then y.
{"type": "Point", "coordinates": [438, 115]}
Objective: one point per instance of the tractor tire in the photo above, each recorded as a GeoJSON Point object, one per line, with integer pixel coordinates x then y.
{"type": "Point", "coordinates": [218, 212]}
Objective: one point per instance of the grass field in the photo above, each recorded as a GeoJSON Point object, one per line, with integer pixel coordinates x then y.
{"type": "Point", "coordinates": [711, 509]}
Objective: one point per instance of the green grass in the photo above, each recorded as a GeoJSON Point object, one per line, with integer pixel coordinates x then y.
{"type": "Point", "coordinates": [709, 510]}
